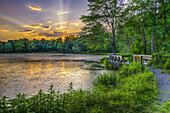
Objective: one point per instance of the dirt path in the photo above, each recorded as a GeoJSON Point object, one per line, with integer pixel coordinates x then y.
{"type": "Point", "coordinates": [164, 84]}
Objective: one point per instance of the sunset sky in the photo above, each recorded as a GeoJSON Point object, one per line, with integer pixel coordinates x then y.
{"type": "Point", "coordinates": [36, 19]}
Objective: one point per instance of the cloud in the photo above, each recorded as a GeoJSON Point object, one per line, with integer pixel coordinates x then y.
{"type": "Point", "coordinates": [33, 26]}
{"type": "Point", "coordinates": [60, 28]}
{"type": "Point", "coordinates": [52, 34]}
{"type": "Point", "coordinates": [27, 31]}
{"type": "Point", "coordinates": [4, 30]}
{"type": "Point", "coordinates": [61, 13]}
{"type": "Point", "coordinates": [37, 8]}
{"type": "Point", "coordinates": [10, 19]}
{"type": "Point", "coordinates": [46, 27]}
{"type": "Point", "coordinates": [49, 22]}
{"type": "Point", "coordinates": [77, 24]}
{"type": "Point", "coordinates": [61, 23]}
{"type": "Point", "coordinates": [38, 26]}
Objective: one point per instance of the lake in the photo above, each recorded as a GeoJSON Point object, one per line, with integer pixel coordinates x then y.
{"type": "Point", "coordinates": [28, 73]}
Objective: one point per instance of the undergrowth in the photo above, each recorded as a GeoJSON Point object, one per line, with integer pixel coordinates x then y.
{"type": "Point", "coordinates": [160, 60]}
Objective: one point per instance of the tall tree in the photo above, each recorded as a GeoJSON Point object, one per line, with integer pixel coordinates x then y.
{"type": "Point", "coordinates": [31, 47]}
{"type": "Point", "coordinates": [19, 45]}
{"type": "Point", "coordinates": [105, 13]}
{"type": "Point", "coordinates": [8, 47]}
{"type": "Point", "coordinates": [164, 7]}
{"type": "Point", "coordinates": [1, 47]}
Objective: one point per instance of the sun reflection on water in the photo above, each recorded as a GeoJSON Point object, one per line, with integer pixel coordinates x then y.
{"type": "Point", "coordinates": [38, 72]}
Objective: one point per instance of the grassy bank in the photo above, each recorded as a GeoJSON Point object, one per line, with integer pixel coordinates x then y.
{"type": "Point", "coordinates": [131, 89]}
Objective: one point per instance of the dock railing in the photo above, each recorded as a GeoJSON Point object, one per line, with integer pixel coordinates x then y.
{"type": "Point", "coordinates": [142, 58]}
{"type": "Point", "coordinates": [120, 59]}
{"type": "Point", "coordinates": [117, 59]}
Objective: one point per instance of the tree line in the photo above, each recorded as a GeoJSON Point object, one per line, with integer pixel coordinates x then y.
{"type": "Point", "coordinates": [70, 44]}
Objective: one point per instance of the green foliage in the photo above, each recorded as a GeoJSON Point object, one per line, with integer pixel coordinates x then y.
{"type": "Point", "coordinates": [133, 68]}
{"type": "Point", "coordinates": [71, 44]}
{"type": "Point", "coordinates": [19, 45]}
{"type": "Point", "coordinates": [133, 91]}
{"type": "Point", "coordinates": [168, 71]}
{"type": "Point", "coordinates": [102, 20]}
{"type": "Point", "coordinates": [60, 46]}
{"type": "Point", "coordinates": [8, 47]}
{"type": "Point", "coordinates": [76, 46]}
{"type": "Point", "coordinates": [31, 46]}
{"type": "Point", "coordinates": [107, 65]}
{"type": "Point", "coordinates": [106, 79]}
{"type": "Point", "coordinates": [167, 64]}
{"type": "Point", "coordinates": [104, 60]}
{"type": "Point", "coordinates": [159, 107]}
{"type": "Point", "coordinates": [137, 46]}
{"type": "Point", "coordinates": [160, 60]}
{"type": "Point", "coordinates": [1, 47]}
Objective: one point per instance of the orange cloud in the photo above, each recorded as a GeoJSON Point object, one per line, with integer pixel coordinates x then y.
{"type": "Point", "coordinates": [33, 26]}
{"type": "Point", "coordinates": [61, 23]}
{"type": "Point", "coordinates": [77, 24]}
{"type": "Point", "coordinates": [49, 22]}
{"type": "Point", "coordinates": [4, 30]}
{"type": "Point", "coordinates": [61, 13]}
{"type": "Point", "coordinates": [46, 27]}
{"type": "Point", "coordinates": [37, 8]}
{"type": "Point", "coordinates": [38, 26]}
{"type": "Point", "coordinates": [60, 28]}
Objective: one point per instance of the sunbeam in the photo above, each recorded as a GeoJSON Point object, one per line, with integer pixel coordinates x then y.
{"type": "Point", "coordinates": [62, 16]}
{"type": "Point", "coordinates": [11, 20]}
{"type": "Point", "coordinates": [59, 16]}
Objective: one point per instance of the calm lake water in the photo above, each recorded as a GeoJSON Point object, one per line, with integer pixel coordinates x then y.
{"type": "Point", "coordinates": [28, 73]}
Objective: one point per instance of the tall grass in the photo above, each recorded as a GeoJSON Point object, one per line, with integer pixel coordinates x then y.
{"type": "Point", "coordinates": [106, 79]}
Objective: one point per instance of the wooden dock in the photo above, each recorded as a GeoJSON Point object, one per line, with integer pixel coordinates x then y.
{"type": "Point", "coordinates": [117, 59]}
{"type": "Point", "coordinates": [142, 58]}
{"type": "Point", "coordinates": [120, 59]}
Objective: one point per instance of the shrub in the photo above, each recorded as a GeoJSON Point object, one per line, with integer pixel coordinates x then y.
{"type": "Point", "coordinates": [133, 68]}
{"type": "Point", "coordinates": [107, 65]}
{"type": "Point", "coordinates": [160, 60]}
{"type": "Point", "coordinates": [104, 60]}
{"type": "Point", "coordinates": [106, 79]}
{"type": "Point", "coordinates": [167, 65]}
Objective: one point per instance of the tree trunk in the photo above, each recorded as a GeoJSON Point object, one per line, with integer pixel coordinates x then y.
{"type": "Point", "coordinates": [128, 43]}
{"type": "Point", "coordinates": [164, 38]}
{"type": "Point", "coordinates": [154, 24]}
{"type": "Point", "coordinates": [113, 42]}
{"type": "Point", "coordinates": [152, 42]}
{"type": "Point", "coordinates": [144, 42]}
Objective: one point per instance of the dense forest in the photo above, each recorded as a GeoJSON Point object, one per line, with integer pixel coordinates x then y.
{"type": "Point", "coordinates": [137, 26]}
{"type": "Point", "coordinates": [71, 44]}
